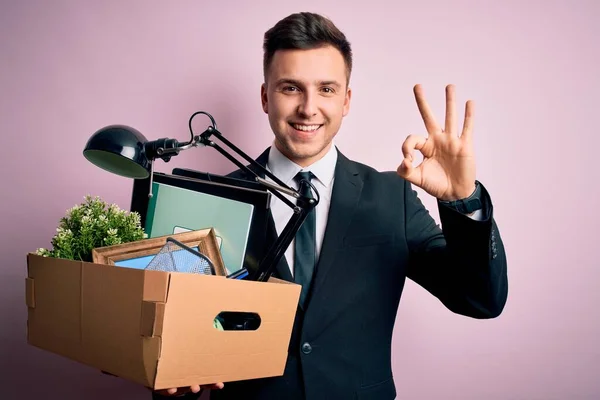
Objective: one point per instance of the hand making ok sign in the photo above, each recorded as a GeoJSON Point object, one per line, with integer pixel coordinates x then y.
{"type": "Point", "coordinates": [448, 168]}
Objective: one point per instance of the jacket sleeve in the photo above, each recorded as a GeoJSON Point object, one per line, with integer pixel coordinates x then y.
{"type": "Point", "coordinates": [463, 263]}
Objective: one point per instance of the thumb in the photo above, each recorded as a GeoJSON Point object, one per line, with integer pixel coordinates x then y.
{"type": "Point", "coordinates": [406, 169]}
{"type": "Point", "coordinates": [412, 143]}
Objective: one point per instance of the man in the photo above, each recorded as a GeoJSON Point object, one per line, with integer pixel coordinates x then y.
{"type": "Point", "coordinates": [370, 231]}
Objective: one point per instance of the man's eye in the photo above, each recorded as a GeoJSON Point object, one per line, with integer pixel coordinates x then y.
{"type": "Point", "coordinates": [328, 90]}
{"type": "Point", "coordinates": [290, 88]}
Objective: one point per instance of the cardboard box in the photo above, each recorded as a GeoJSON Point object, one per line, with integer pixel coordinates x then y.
{"type": "Point", "coordinates": [156, 328]}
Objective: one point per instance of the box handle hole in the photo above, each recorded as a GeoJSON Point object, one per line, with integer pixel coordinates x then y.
{"type": "Point", "coordinates": [237, 321]}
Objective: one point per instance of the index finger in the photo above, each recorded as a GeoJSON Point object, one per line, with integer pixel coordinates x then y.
{"type": "Point", "coordinates": [425, 110]}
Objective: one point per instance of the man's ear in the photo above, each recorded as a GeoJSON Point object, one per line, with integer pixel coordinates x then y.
{"type": "Point", "coordinates": [263, 98]}
{"type": "Point", "coordinates": [347, 102]}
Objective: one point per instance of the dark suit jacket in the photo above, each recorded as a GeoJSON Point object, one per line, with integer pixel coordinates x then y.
{"type": "Point", "coordinates": [378, 234]}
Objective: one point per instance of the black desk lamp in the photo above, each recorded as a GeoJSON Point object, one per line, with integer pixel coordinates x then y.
{"type": "Point", "coordinates": [124, 151]}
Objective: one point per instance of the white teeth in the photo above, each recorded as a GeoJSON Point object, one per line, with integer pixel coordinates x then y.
{"type": "Point", "coordinates": [306, 128]}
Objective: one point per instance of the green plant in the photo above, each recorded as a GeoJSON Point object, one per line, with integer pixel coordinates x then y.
{"type": "Point", "coordinates": [92, 224]}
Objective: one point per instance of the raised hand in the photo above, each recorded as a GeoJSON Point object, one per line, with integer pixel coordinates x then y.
{"type": "Point", "coordinates": [447, 171]}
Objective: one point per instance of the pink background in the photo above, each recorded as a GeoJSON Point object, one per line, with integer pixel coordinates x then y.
{"type": "Point", "coordinates": [69, 68]}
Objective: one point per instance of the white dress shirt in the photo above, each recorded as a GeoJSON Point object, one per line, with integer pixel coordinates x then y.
{"type": "Point", "coordinates": [285, 169]}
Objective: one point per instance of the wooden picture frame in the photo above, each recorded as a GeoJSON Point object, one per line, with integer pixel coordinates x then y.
{"type": "Point", "coordinates": [203, 240]}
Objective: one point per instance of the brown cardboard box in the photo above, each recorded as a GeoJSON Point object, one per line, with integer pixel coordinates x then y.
{"type": "Point", "coordinates": [156, 328]}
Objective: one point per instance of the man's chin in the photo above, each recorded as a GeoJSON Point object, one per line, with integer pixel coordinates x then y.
{"type": "Point", "coordinates": [303, 155]}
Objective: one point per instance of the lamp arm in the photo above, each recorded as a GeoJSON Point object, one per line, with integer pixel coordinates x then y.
{"type": "Point", "coordinates": [276, 189]}
{"type": "Point", "coordinates": [204, 139]}
{"type": "Point", "coordinates": [211, 131]}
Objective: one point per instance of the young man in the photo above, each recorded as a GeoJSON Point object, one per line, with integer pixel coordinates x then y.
{"type": "Point", "coordinates": [369, 231]}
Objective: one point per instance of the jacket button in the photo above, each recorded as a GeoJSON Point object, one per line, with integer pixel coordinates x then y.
{"type": "Point", "coordinates": [306, 348]}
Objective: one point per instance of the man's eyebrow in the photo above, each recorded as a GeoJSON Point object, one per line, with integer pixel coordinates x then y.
{"type": "Point", "coordinates": [298, 83]}
{"type": "Point", "coordinates": [330, 83]}
{"type": "Point", "coordinates": [288, 81]}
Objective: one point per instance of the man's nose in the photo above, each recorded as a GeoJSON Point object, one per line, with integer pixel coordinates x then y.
{"type": "Point", "coordinates": [308, 106]}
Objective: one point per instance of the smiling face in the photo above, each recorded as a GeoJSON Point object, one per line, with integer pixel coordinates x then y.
{"type": "Point", "coordinates": [305, 95]}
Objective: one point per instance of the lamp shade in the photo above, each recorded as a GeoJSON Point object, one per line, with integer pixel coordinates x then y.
{"type": "Point", "coordinates": [119, 149]}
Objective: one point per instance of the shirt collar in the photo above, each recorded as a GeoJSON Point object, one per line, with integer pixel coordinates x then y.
{"type": "Point", "coordinates": [285, 169]}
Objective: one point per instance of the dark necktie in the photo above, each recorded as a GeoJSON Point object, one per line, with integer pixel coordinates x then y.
{"type": "Point", "coordinates": [305, 244]}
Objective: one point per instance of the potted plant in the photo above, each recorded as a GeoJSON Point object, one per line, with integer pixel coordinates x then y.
{"type": "Point", "coordinates": [90, 225]}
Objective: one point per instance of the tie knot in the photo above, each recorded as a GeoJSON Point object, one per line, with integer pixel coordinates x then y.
{"type": "Point", "coordinates": [303, 178]}
{"type": "Point", "coordinates": [304, 175]}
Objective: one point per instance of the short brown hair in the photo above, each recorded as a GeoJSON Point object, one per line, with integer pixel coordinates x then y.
{"type": "Point", "coordinates": [305, 31]}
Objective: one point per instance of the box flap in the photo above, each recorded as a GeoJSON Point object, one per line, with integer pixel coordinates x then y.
{"type": "Point", "coordinates": [152, 318]}
{"type": "Point", "coordinates": [156, 284]}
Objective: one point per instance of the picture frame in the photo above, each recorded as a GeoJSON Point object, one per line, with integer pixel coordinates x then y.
{"type": "Point", "coordinates": [139, 253]}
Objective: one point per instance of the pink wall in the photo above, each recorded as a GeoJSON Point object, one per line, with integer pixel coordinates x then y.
{"type": "Point", "coordinates": [68, 68]}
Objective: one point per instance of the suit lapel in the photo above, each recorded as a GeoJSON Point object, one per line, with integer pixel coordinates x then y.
{"type": "Point", "coordinates": [282, 268]}
{"type": "Point", "coordinates": [347, 188]}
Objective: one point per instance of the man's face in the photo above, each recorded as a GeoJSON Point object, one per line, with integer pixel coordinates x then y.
{"type": "Point", "coordinates": [305, 96]}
